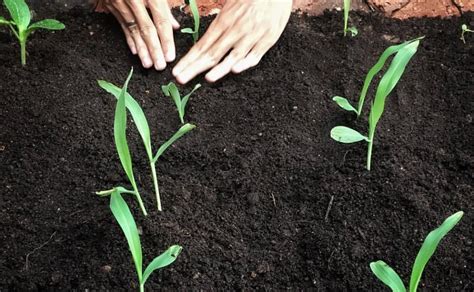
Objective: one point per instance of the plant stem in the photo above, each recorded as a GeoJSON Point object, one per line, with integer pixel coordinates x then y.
{"type": "Point", "coordinates": [139, 199]}
{"type": "Point", "coordinates": [23, 52]}
{"type": "Point", "coordinates": [155, 183]}
{"type": "Point", "coordinates": [142, 287]}
{"type": "Point", "coordinates": [369, 149]}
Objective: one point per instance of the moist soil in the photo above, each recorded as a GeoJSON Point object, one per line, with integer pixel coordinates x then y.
{"type": "Point", "coordinates": [259, 195]}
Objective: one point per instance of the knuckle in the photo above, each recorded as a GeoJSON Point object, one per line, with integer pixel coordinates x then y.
{"type": "Point", "coordinates": [147, 30]}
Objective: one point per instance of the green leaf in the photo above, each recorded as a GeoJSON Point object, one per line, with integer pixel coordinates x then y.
{"type": "Point", "coordinates": [390, 79]}
{"type": "Point", "coordinates": [136, 111]}
{"type": "Point", "coordinates": [50, 24]}
{"type": "Point", "coordinates": [187, 30]}
{"type": "Point", "coordinates": [4, 21]}
{"type": "Point", "coordinates": [182, 131]}
{"type": "Point", "coordinates": [376, 69]}
{"type": "Point", "coordinates": [347, 135]}
{"type": "Point", "coordinates": [344, 103]}
{"type": "Point", "coordinates": [353, 30]}
{"type": "Point", "coordinates": [19, 12]}
{"type": "Point", "coordinates": [172, 90]}
{"type": "Point", "coordinates": [165, 259]}
{"type": "Point", "coordinates": [185, 99]}
{"type": "Point", "coordinates": [388, 276]}
{"type": "Point", "coordinates": [429, 247]}
{"type": "Point", "coordinates": [126, 221]}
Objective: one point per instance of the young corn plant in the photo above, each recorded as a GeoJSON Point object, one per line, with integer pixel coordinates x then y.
{"type": "Point", "coordinates": [390, 278]}
{"type": "Point", "coordinates": [120, 137]}
{"type": "Point", "coordinates": [127, 223]}
{"type": "Point", "coordinates": [172, 90]}
{"type": "Point", "coordinates": [195, 11]}
{"type": "Point", "coordinates": [388, 82]}
{"type": "Point", "coordinates": [352, 29]}
{"type": "Point", "coordinates": [464, 30]}
{"type": "Point", "coordinates": [20, 23]}
{"type": "Point", "coordinates": [141, 123]}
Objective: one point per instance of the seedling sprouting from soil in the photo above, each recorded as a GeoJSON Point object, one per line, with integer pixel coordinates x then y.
{"type": "Point", "coordinates": [141, 123]}
{"type": "Point", "coordinates": [464, 29]}
{"type": "Point", "coordinates": [127, 223]}
{"type": "Point", "coordinates": [390, 278]}
{"type": "Point", "coordinates": [120, 137]}
{"type": "Point", "coordinates": [353, 30]}
{"type": "Point", "coordinates": [388, 82]}
{"type": "Point", "coordinates": [20, 23]}
{"type": "Point", "coordinates": [172, 90]}
{"type": "Point", "coordinates": [195, 11]}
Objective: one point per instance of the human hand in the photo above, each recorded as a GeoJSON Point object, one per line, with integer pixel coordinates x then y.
{"type": "Point", "coordinates": [246, 28]}
{"type": "Point", "coordinates": [149, 36]}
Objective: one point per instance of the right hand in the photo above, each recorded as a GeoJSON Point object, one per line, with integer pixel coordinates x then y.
{"type": "Point", "coordinates": [149, 36]}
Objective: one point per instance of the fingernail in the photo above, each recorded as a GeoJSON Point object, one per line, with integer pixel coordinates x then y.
{"type": "Point", "coordinates": [170, 55]}
{"type": "Point", "coordinates": [147, 63]}
{"type": "Point", "coordinates": [160, 65]}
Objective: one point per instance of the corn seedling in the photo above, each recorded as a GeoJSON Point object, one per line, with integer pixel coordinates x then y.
{"type": "Point", "coordinates": [127, 223]}
{"type": "Point", "coordinates": [390, 278]}
{"type": "Point", "coordinates": [172, 90]}
{"type": "Point", "coordinates": [195, 11]}
{"type": "Point", "coordinates": [464, 29]}
{"type": "Point", "coordinates": [141, 123]}
{"type": "Point", "coordinates": [353, 30]}
{"type": "Point", "coordinates": [388, 82]}
{"type": "Point", "coordinates": [20, 23]}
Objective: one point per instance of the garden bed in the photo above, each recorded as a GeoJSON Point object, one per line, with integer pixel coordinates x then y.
{"type": "Point", "coordinates": [247, 194]}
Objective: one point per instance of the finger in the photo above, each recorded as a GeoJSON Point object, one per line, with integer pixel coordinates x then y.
{"type": "Point", "coordinates": [239, 52]}
{"type": "Point", "coordinates": [128, 36]}
{"type": "Point", "coordinates": [213, 33]}
{"type": "Point", "coordinates": [254, 57]}
{"type": "Point", "coordinates": [161, 18]}
{"type": "Point", "coordinates": [211, 57]}
{"type": "Point", "coordinates": [174, 22]}
{"type": "Point", "coordinates": [128, 17]}
{"type": "Point", "coordinates": [149, 33]}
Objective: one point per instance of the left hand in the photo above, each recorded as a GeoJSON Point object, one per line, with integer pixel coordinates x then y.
{"type": "Point", "coordinates": [246, 29]}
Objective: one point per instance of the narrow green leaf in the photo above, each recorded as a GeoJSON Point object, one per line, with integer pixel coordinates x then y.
{"type": "Point", "coordinates": [185, 99]}
{"type": "Point", "coordinates": [182, 131]}
{"type": "Point", "coordinates": [120, 133]}
{"type": "Point", "coordinates": [376, 69]}
{"type": "Point", "coordinates": [4, 21]}
{"type": "Point", "coordinates": [19, 12]}
{"type": "Point", "coordinates": [429, 247]}
{"type": "Point", "coordinates": [50, 24]}
{"type": "Point", "coordinates": [165, 259]}
{"type": "Point", "coordinates": [126, 221]}
{"type": "Point", "coordinates": [172, 90]}
{"type": "Point", "coordinates": [388, 276]}
{"type": "Point", "coordinates": [390, 79]}
{"type": "Point", "coordinates": [344, 103]}
{"type": "Point", "coordinates": [347, 135]}
{"type": "Point", "coordinates": [136, 111]}
{"type": "Point", "coordinates": [187, 30]}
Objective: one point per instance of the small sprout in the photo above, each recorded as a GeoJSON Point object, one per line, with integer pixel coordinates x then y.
{"type": "Point", "coordinates": [353, 30]}
{"type": "Point", "coordinates": [465, 29]}
{"type": "Point", "coordinates": [390, 278]}
{"type": "Point", "coordinates": [21, 18]}
{"type": "Point", "coordinates": [141, 123]}
{"type": "Point", "coordinates": [172, 90]}
{"type": "Point", "coordinates": [195, 11]}
{"type": "Point", "coordinates": [388, 82]}
{"type": "Point", "coordinates": [125, 219]}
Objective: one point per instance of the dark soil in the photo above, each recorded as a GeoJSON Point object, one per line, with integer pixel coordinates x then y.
{"type": "Point", "coordinates": [247, 192]}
